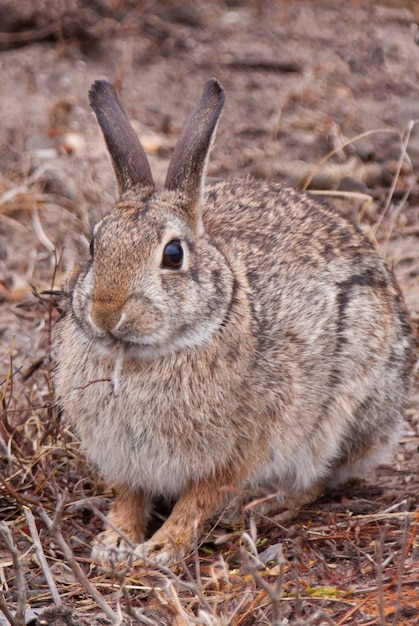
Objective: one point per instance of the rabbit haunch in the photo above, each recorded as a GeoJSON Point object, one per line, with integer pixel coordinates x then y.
{"type": "Point", "coordinates": [274, 359]}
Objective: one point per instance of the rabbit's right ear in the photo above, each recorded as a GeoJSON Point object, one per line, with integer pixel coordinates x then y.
{"type": "Point", "coordinates": [187, 168]}
{"type": "Point", "coordinates": [128, 157]}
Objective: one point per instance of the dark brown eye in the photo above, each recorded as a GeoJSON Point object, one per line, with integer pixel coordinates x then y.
{"type": "Point", "coordinates": [92, 247]}
{"type": "Point", "coordinates": [173, 255]}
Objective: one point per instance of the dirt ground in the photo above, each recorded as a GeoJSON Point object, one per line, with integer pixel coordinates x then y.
{"type": "Point", "coordinates": [320, 94]}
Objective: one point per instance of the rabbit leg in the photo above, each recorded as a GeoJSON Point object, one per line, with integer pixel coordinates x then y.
{"type": "Point", "coordinates": [129, 514]}
{"type": "Point", "coordinates": [283, 506]}
{"type": "Point", "coordinates": [174, 539]}
{"type": "Point", "coordinates": [296, 501]}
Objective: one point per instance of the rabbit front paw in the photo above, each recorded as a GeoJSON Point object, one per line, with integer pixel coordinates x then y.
{"type": "Point", "coordinates": [109, 548]}
{"type": "Point", "coordinates": [162, 552]}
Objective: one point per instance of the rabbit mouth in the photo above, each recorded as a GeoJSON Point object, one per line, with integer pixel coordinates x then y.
{"type": "Point", "coordinates": [150, 348]}
{"type": "Point", "coordinates": [146, 349]}
{"type": "Point", "coordinates": [139, 346]}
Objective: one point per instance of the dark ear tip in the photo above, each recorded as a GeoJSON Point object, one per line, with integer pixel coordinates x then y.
{"type": "Point", "coordinates": [213, 88]}
{"type": "Point", "coordinates": [100, 89]}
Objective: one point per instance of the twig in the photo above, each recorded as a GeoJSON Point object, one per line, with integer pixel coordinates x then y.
{"type": "Point", "coordinates": [244, 599]}
{"type": "Point", "coordinates": [55, 530]}
{"type": "Point", "coordinates": [27, 36]}
{"type": "Point", "coordinates": [371, 517]}
{"type": "Point", "coordinates": [379, 546]}
{"type": "Point", "coordinates": [39, 231]}
{"type": "Point", "coordinates": [7, 613]}
{"type": "Point", "coordinates": [413, 532]}
{"type": "Point", "coordinates": [22, 500]}
{"type": "Point", "coordinates": [119, 359]}
{"type": "Point", "coordinates": [278, 587]}
{"type": "Point", "coordinates": [196, 558]}
{"type": "Point", "coordinates": [403, 555]}
{"type": "Point", "coordinates": [403, 154]}
{"type": "Point", "coordinates": [178, 606]}
{"type": "Point", "coordinates": [268, 65]}
{"type": "Point", "coordinates": [251, 543]}
{"type": "Point", "coordinates": [19, 617]}
{"type": "Point", "coordinates": [196, 586]}
{"type": "Point", "coordinates": [338, 193]}
{"type": "Point", "coordinates": [357, 607]}
{"type": "Point", "coordinates": [30, 520]}
{"type": "Point", "coordinates": [9, 377]}
{"type": "Point", "coordinates": [274, 592]}
{"type": "Point", "coordinates": [312, 619]}
{"type": "Point", "coordinates": [132, 612]}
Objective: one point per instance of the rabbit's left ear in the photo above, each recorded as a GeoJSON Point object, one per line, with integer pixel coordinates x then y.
{"type": "Point", "coordinates": [188, 165]}
{"type": "Point", "coordinates": [128, 156]}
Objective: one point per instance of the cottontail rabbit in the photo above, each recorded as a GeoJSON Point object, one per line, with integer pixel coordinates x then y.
{"type": "Point", "coordinates": [240, 337]}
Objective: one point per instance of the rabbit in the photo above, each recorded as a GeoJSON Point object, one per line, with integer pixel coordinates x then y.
{"type": "Point", "coordinates": [224, 339]}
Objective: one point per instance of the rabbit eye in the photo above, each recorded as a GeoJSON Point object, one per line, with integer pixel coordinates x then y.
{"type": "Point", "coordinates": [92, 247]}
{"type": "Point", "coordinates": [173, 255]}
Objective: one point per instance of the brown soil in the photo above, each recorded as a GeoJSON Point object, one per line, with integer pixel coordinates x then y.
{"type": "Point", "coordinates": [319, 93]}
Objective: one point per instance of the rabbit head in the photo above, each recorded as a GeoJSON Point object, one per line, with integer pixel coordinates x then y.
{"type": "Point", "coordinates": [147, 287]}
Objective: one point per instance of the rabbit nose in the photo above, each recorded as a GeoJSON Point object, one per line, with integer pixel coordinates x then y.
{"type": "Point", "coordinates": [105, 315]}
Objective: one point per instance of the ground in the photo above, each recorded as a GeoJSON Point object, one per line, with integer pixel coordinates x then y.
{"type": "Point", "coordinates": [321, 94]}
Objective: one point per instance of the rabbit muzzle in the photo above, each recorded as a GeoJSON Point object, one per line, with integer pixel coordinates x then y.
{"type": "Point", "coordinates": [105, 315]}
{"type": "Point", "coordinates": [131, 323]}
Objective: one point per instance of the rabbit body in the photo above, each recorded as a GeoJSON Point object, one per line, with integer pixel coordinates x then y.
{"type": "Point", "coordinates": [274, 360]}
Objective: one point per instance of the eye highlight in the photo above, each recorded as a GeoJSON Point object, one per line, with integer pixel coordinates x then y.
{"type": "Point", "coordinates": [173, 255]}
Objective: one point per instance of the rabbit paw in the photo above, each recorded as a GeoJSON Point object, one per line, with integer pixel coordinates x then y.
{"type": "Point", "coordinates": [110, 549]}
{"type": "Point", "coordinates": [162, 552]}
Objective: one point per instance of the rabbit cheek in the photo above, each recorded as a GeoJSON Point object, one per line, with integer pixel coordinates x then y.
{"type": "Point", "coordinates": [81, 303]}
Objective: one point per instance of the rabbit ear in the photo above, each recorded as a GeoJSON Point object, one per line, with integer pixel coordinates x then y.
{"type": "Point", "coordinates": [188, 164]}
{"type": "Point", "coordinates": [128, 157]}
